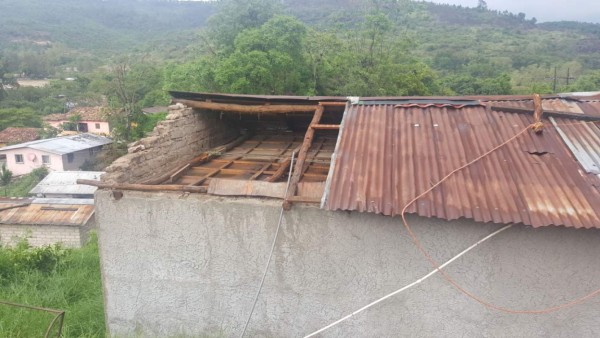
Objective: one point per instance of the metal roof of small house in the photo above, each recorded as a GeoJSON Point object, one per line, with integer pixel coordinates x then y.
{"type": "Point", "coordinates": [13, 135]}
{"type": "Point", "coordinates": [44, 212]}
{"type": "Point", "coordinates": [65, 182]}
{"type": "Point", "coordinates": [64, 145]}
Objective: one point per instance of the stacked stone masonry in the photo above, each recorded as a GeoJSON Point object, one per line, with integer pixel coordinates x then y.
{"type": "Point", "coordinates": [183, 135]}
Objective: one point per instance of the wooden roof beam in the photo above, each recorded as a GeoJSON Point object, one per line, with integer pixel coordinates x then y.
{"type": "Point", "coordinates": [248, 109]}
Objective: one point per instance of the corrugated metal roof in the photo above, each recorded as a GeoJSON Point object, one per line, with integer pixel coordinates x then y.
{"type": "Point", "coordinates": [583, 140]}
{"type": "Point", "coordinates": [387, 155]}
{"type": "Point", "coordinates": [64, 145]}
{"type": "Point", "coordinates": [46, 214]}
{"type": "Point", "coordinates": [65, 182]}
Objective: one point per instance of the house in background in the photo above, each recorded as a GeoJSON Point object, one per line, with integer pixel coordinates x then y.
{"type": "Point", "coordinates": [46, 221]}
{"type": "Point", "coordinates": [86, 119]}
{"type": "Point", "coordinates": [63, 184]}
{"type": "Point", "coordinates": [57, 154]}
{"type": "Point", "coordinates": [13, 135]}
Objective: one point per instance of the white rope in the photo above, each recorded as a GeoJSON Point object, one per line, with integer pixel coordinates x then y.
{"type": "Point", "coordinates": [262, 281]}
{"type": "Point", "coordinates": [418, 281]}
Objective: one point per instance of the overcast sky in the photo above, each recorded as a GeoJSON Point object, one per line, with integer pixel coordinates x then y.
{"type": "Point", "coordinates": [542, 10]}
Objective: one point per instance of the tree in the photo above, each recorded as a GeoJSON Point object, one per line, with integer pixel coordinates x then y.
{"type": "Point", "coordinates": [5, 177]}
{"type": "Point", "coordinates": [235, 16]}
{"type": "Point", "coordinates": [267, 60]}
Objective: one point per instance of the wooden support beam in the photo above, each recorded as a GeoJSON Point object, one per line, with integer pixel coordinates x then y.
{"type": "Point", "coordinates": [281, 170]}
{"type": "Point", "coordinates": [298, 169]}
{"type": "Point", "coordinates": [142, 187]}
{"type": "Point", "coordinates": [326, 126]}
{"type": "Point", "coordinates": [333, 104]}
{"type": "Point", "coordinates": [248, 109]}
{"type": "Point", "coordinates": [179, 173]}
{"type": "Point", "coordinates": [258, 173]}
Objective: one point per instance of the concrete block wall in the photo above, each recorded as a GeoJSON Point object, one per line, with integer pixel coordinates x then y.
{"type": "Point", "coordinates": [40, 235]}
{"type": "Point", "coordinates": [183, 135]}
{"type": "Point", "coordinates": [190, 266]}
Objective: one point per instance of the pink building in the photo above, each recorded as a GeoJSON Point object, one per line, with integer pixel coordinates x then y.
{"type": "Point", "coordinates": [57, 154]}
{"type": "Point", "coordinates": [89, 120]}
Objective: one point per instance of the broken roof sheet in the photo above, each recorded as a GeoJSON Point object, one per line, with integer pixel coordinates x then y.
{"type": "Point", "coordinates": [65, 183]}
{"type": "Point", "coordinates": [64, 145]}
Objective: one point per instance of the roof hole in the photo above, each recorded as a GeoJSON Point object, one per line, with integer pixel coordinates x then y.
{"type": "Point", "coordinates": [538, 153]}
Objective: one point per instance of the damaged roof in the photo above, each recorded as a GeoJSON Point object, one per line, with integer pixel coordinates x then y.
{"type": "Point", "coordinates": [391, 149]}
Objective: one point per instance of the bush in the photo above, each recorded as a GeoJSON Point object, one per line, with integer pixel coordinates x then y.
{"type": "Point", "coordinates": [51, 277]}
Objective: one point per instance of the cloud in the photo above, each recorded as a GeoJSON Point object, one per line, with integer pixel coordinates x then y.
{"type": "Point", "coordinates": [543, 10]}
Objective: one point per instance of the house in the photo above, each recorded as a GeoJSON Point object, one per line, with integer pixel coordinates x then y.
{"type": "Point", "coordinates": [57, 154]}
{"type": "Point", "coordinates": [12, 135]}
{"type": "Point", "coordinates": [284, 216]}
{"type": "Point", "coordinates": [46, 221]}
{"type": "Point", "coordinates": [63, 184]}
{"type": "Point", "coordinates": [84, 119]}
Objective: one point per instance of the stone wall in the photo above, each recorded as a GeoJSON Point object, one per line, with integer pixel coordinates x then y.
{"type": "Point", "coordinates": [190, 265]}
{"type": "Point", "coordinates": [40, 235]}
{"type": "Point", "coordinates": [183, 135]}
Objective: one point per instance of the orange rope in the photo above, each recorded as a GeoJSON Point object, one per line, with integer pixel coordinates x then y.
{"type": "Point", "coordinates": [448, 278]}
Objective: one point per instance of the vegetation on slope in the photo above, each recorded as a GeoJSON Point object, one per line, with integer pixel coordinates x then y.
{"type": "Point", "coordinates": [51, 277]}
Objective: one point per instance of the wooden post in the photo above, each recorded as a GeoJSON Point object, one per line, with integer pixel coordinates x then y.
{"type": "Point", "coordinates": [297, 174]}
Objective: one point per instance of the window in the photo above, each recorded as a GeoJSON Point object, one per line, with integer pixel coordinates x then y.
{"type": "Point", "coordinates": [45, 159]}
{"type": "Point", "coordinates": [97, 125]}
{"type": "Point", "coordinates": [70, 158]}
{"type": "Point", "coordinates": [19, 158]}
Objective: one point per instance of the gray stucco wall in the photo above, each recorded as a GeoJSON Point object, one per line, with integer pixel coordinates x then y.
{"type": "Point", "coordinates": [177, 264]}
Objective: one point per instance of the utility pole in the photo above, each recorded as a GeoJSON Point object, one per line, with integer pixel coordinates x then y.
{"type": "Point", "coordinates": [555, 78]}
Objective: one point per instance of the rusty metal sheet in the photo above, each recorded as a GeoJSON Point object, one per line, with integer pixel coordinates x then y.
{"type": "Point", "coordinates": [386, 156]}
{"type": "Point", "coordinates": [46, 214]}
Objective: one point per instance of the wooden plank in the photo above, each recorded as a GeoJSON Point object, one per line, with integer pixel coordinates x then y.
{"type": "Point", "coordinates": [141, 187]}
{"type": "Point", "coordinates": [298, 169]}
{"type": "Point", "coordinates": [248, 109]}
{"type": "Point", "coordinates": [199, 159]}
{"type": "Point", "coordinates": [326, 126]}
{"type": "Point", "coordinates": [224, 166]}
{"type": "Point", "coordinates": [280, 171]}
{"type": "Point", "coordinates": [179, 173]}
{"type": "Point", "coordinates": [262, 170]}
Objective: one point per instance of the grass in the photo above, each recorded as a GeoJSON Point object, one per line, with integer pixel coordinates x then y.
{"type": "Point", "coordinates": [20, 186]}
{"type": "Point", "coordinates": [51, 277]}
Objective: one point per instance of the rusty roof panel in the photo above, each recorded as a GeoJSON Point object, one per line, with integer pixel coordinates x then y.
{"type": "Point", "coordinates": [387, 155]}
{"type": "Point", "coordinates": [590, 108]}
{"type": "Point", "coordinates": [46, 214]}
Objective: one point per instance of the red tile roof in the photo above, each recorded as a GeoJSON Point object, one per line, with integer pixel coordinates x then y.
{"type": "Point", "coordinates": [19, 135]}
{"type": "Point", "coordinates": [98, 114]}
